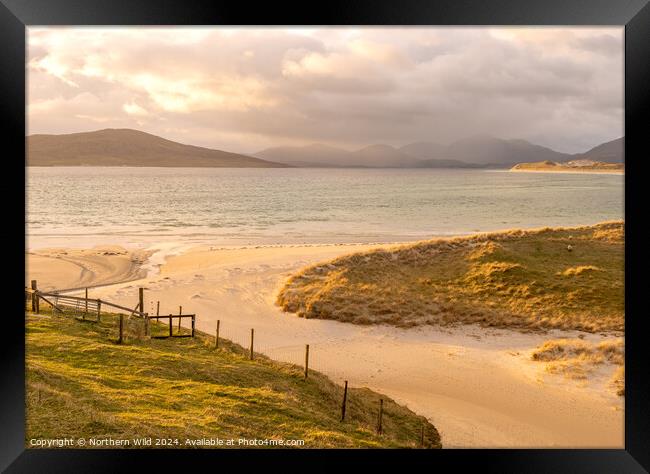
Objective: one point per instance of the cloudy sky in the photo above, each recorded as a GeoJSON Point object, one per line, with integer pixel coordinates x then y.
{"type": "Point", "coordinates": [244, 89]}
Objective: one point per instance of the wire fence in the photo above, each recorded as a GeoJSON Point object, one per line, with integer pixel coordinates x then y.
{"type": "Point", "coordinates": [160, 322]}
{"type": "Point", "coordinates": [310, 357]}
{"type": "Point", "coordinates": [123, 323]}
{"type": "Point", "coordinates": [121, 327]}
{"type": "Point", "coordinates": [126, 324]}
{"type": "Point", "coordinates": [165, 320]}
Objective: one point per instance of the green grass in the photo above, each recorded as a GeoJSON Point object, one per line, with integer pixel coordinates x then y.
{"type": "Point", "coordinates": [80, 383]}
{"type": "Point", "coordinates": [512, 279]}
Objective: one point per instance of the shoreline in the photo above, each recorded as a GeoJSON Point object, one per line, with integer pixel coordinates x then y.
{"type": "Point", "coordinates": [477, 385]}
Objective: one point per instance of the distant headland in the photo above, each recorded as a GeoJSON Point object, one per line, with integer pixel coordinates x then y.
{"type": "Point", "coordinates": [574, 166]}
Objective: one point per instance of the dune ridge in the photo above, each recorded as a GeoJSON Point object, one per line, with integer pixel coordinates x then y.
{"type": "Point", "coordinates": [525, 279]}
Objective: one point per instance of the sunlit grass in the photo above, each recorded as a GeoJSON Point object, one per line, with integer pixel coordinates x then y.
{"type": "Point", "coordinates": [577, 359]}
{"type": "Point", "coordinates": [618, 381]}
{"type": "Point", "coordinates": [567, 278]}
{"type": "Point", "coordinates": [80, 383]}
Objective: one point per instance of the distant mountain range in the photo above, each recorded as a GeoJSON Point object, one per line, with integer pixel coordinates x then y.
{"type": "Point", "coordinates": [608, 157]}
{"type": "Point", "coordinates": [126, 147]}
{"type": "Point", "coordinates": [612, 152]}
{"type": "Point", "coordinates": [474, 152]}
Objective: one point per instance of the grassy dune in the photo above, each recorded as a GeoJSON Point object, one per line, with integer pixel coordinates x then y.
{"type": "Point", "coordinates": [80, 383]}
{"type": "Point", "coordinates": [577, 359]}
{"type": "Point", "coordinates": [527, 279]}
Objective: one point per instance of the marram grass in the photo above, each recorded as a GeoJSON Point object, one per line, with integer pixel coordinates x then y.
{"type": "Point", "coordinates": [564, 278]}
{"type": "Point", "coordinates": [578, 359]}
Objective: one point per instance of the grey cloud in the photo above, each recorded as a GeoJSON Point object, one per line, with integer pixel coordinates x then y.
{"type": "Point", "coordinates": [249, 88]}
{"type": "Point", "coordinates": [605, 44]}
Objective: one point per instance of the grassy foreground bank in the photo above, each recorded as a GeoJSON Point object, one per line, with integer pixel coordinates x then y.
{"type": "Point", "coordinates": [80, 383]}
{"type": "Point", "coordinates": [565, 278]}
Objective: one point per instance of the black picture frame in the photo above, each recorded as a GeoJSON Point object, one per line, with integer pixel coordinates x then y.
{"type": "Point", "coordinates": [16, 15]}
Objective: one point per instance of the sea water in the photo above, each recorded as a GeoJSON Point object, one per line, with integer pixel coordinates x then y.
{"type": "Point", "coordinates": [87, 206]}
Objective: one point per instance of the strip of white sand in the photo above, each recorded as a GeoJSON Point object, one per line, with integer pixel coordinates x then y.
{"type": "Point", "coordinates": [478, 386]}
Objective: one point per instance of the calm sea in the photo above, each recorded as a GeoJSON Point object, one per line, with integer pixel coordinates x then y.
{"type": "Point", "coordinates": [141, 206]}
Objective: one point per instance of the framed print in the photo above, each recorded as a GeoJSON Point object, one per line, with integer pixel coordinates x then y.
{"type": "Point", "coordinates": [361, 232]}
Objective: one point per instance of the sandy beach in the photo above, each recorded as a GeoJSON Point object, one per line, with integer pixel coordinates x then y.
{"type": "Point", "coordinates": [62, 268]}
{"type": "Point", "coordinates": [479, 387]}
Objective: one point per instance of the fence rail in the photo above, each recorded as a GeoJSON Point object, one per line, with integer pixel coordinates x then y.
{"type": "Point", "coordinates": [298, 355]}
{"type": "Point", "coordinates": [171, 318]}
{"type": "Point", "coordinates": [91, 302]}
{"type": "Point", "coordinates": [83, 307]}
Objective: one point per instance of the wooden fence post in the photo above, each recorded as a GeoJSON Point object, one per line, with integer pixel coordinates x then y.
{"type": "Point", "coordinates": [345, 397]}
{"type": "Point", "coordinates": [306, 360]}
{"type": "Point", "coordinates": [141, 299]}
{"type": "Point", "coordinates": [216, 340]}
{"type": "Point", "coordinates": [180, 311]}
{"type": "Point", "coordinates": [252, 337]}
{"type": "Point", "coordinates": [99, 308]}
{"type": "Point", "coordinates": [193, 323]}
{"type": "Point", "coordinates": [170, 324]}
{"type": "Point", "coordinates": [34, 297]}
{"type": "Point", "coordinates": [381, 414]}
{"type": "Point", "coordinates": [157, 308]}
{"type": "Point", "coordinates": [119, 341]}
{"type": "Point", "coordinates": [83, 316]}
